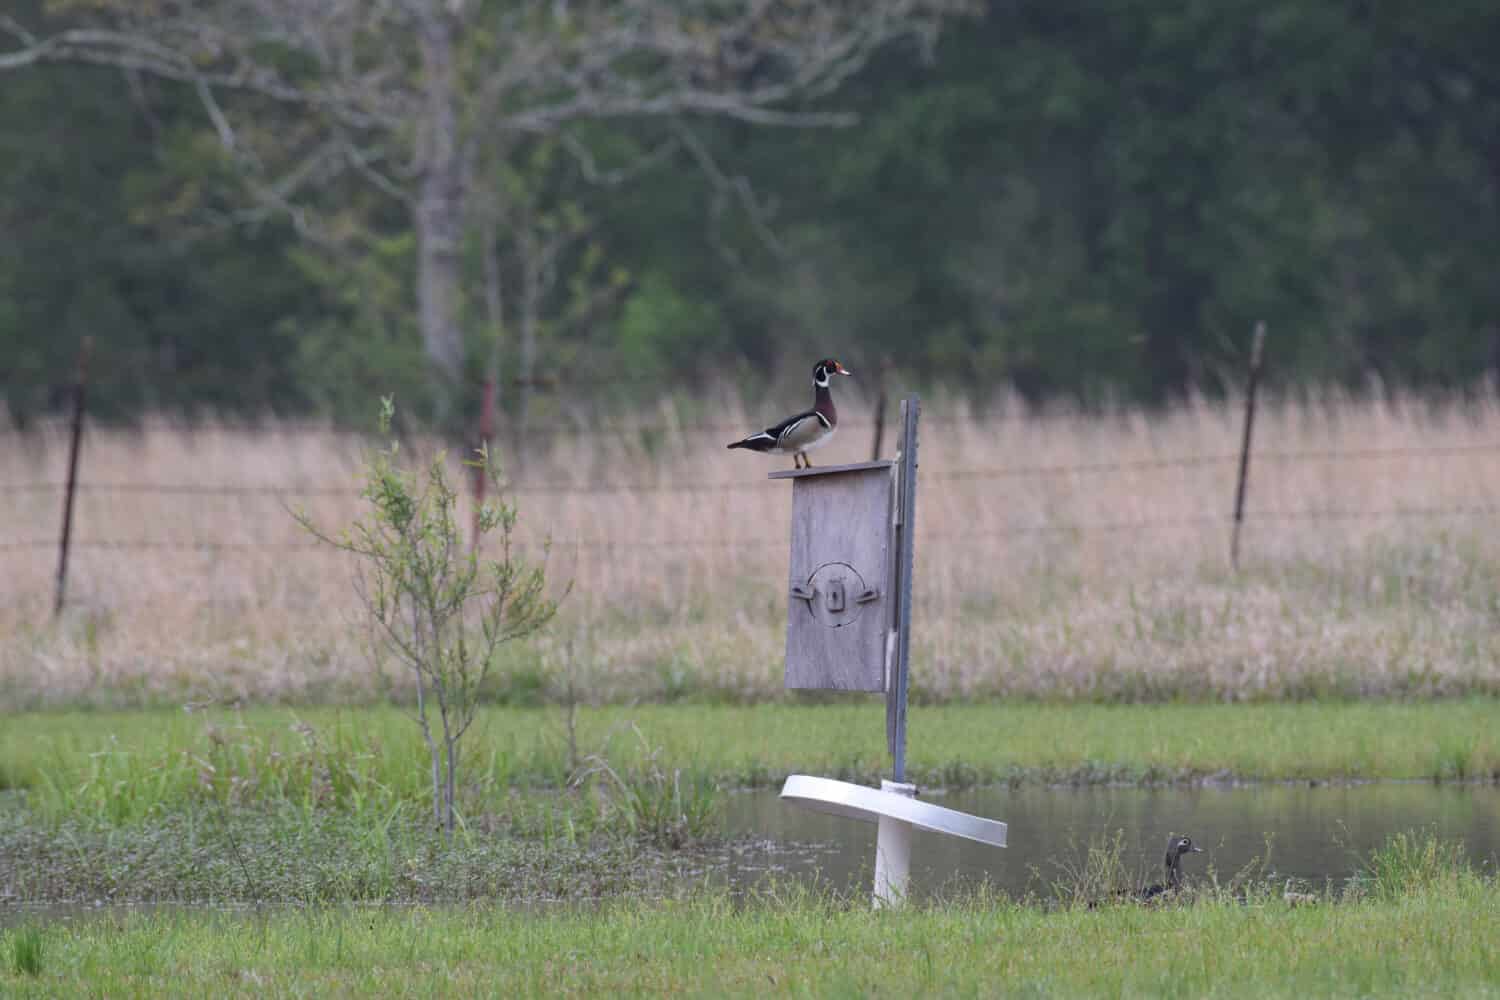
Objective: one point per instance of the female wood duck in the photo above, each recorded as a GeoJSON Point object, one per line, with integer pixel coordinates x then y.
{"type": "Point", "coordinates": [1176, 848]}
{"type": "Point", "coordinates": [800, 434]}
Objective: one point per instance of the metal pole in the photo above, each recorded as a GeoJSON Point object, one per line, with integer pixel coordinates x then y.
{"type": "Point", "coordinates": [892, 852]}
{"type": "Point", "coordinates": [67, 525]}
{"type": "Point", "coordinates": [1239, 491]}
{"type": "Point", "coordinates": [906, 522]}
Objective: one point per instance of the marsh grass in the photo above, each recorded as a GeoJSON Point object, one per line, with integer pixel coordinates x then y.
{"type": "Point", "coordinates": [531, 850]}
{"type": "Point", "coordinates": [1058, 556]}
{"type": "Point", "coordinates": [1414, 861]}
{"type": "Point", "coordinates": [116, 768]}
{"type": "Point", "coordinates": [655, 801]}
{"type": "Point", "coordinates": [795, 942]}
{"type": "Point", "coordinates": [1099, 872]}
{"type": "Point", "coordinates": [25, 950]}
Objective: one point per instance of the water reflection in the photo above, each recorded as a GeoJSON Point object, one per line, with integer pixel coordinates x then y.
{"type": "Point", "coordinates": [1315, 832]}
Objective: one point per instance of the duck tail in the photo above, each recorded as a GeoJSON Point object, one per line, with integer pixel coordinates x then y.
{"type": "Point", "coordinates": [764, 441]}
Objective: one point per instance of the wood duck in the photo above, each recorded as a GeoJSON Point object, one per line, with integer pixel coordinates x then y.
{"type": "Point", "coordinates": [808, 430]}
{"type": "Point", "coordinates": [1176, 848]}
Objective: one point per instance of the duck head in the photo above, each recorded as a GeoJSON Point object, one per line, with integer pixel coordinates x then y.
{"type": "Point", "coordinates": [826, 368]}
{"type": "Point", "coordinates": [1176, 848]}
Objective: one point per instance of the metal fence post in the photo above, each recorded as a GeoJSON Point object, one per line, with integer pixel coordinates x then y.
{"type": "Point", "coordinates": [906, 499]}
{"type": "Point", "coordinates": [67, 525]}
{"type": "Point", "coordinates": [1239, 491]}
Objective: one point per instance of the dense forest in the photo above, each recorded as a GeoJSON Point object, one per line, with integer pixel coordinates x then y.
{"type": "Point", "coordinates": [1088, 203]}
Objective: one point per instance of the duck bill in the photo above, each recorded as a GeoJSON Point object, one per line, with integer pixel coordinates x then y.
{"type": "Point", "coordinates": [842, 370]}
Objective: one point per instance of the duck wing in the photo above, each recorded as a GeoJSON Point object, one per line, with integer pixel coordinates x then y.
{"type": "Point", "coordinates": [792, 434]}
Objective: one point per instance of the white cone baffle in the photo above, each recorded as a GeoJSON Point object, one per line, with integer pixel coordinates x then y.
{"type": "Point", "coordinates": [898, 812]}
{"type": "Point", "coordinates": [849, 629]}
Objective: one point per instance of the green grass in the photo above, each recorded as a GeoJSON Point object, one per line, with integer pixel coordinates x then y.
{"type": "Point", "coordinates": [287, 857]}
{"type": "Point", "coordinates": [327, 805]}
{"type": "Point", "coordinates": [26, 950]}
{"type": "Point", "coordinates": [1433, 940]}
{"type": "Point", "coordinates": [123, 767]}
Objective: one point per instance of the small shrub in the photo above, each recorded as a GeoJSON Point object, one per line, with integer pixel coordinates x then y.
{"type": "Point", "coordinates": [440, 609]}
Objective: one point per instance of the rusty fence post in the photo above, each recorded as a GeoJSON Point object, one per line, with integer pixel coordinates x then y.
{"type": "Point", "coordinates": [77, 438]}
{"type": "Point", "coordinates": [1252, 384]}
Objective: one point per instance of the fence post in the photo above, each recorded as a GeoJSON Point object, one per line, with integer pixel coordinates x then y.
{"type": "Point", "coordinates": [880, 402]}
{"type": "Point", "coordinates": [486, 433]}
{"type": "Point", "coordinates": [1239, 491]}
{"type": "Point", "coordinates": [906, 523]}
{"type": "Point", "coordinates": [67, 525]}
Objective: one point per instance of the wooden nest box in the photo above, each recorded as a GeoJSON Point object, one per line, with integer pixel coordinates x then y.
{"type": "Point", "coordinates": [840, 616]}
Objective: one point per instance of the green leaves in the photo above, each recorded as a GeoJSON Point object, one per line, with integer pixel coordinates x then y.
{"type": "Point", "coordinates": [441, 608]}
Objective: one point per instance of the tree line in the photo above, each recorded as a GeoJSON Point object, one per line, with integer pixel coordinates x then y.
{"type": "Point", "coordinates": [261, 205]}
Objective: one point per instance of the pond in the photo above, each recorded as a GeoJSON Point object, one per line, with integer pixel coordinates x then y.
{"type": "Point", "coordinates": [1317, 833]}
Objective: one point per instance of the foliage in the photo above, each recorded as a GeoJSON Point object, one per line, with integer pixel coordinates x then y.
{"type": "Point", "coordinates": [1081, 207]}
{"type": "Point", "coordinates": [441, 612]}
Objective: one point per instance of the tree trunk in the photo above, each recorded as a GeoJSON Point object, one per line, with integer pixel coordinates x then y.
{"type": "Point", "coordinates": [432, 751]}
{"type": "Point", "coordinates": [438, 214]}
{"type": "Point", "coordinates": [452, 768]}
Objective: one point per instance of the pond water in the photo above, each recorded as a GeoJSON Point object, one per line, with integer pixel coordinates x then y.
{"type": "Point", "coordinates": [1317, 833]}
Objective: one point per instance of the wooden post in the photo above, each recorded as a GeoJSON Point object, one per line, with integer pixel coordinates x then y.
{"type": "Point", "coordinates": [67, 524]}
{"type": "Point", "coordinates": [486, 434]}
{"type": "Point", "coordinates": [1239, 491]}
{"type": "Point", "coordinates": [906, 523]}
{"type": "Point", "coordinates": [885, 363]}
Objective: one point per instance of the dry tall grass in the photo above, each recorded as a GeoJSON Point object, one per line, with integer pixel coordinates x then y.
{"type": "Point", "coordinates": [1056, 556]}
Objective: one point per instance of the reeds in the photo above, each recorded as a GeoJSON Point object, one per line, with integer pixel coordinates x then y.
{"type": "Point", "coordinates": [1058, 556]}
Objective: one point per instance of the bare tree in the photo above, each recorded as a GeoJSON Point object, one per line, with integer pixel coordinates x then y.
{"type": "Point", "coordinates": [412, 95]}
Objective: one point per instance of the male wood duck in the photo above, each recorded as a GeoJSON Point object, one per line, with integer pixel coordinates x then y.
{"type": "Point", "coordinates": [1176, 848]}
{"type": "Point", "coordinates": [800, 434]}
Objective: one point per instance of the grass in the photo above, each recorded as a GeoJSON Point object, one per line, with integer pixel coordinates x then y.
{"type": "Point", "coordinates": [1423, 937]}
{"type": "Point", "coordinates": [1057, 558]}
{"type": "Point", "coordinates": [26, 951]}
{"type": "Point", "coordinates": [118, 767]}
{"type": "Point", "coordinates": [330, 805]}
{"type": "Point", "coordinates": [285, 857]}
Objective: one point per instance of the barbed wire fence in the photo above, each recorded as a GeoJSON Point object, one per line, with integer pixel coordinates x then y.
{"type": "Point", "coordinates": [1231, 519]}
{"type": "Point", "coordinates": [295, 492]}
